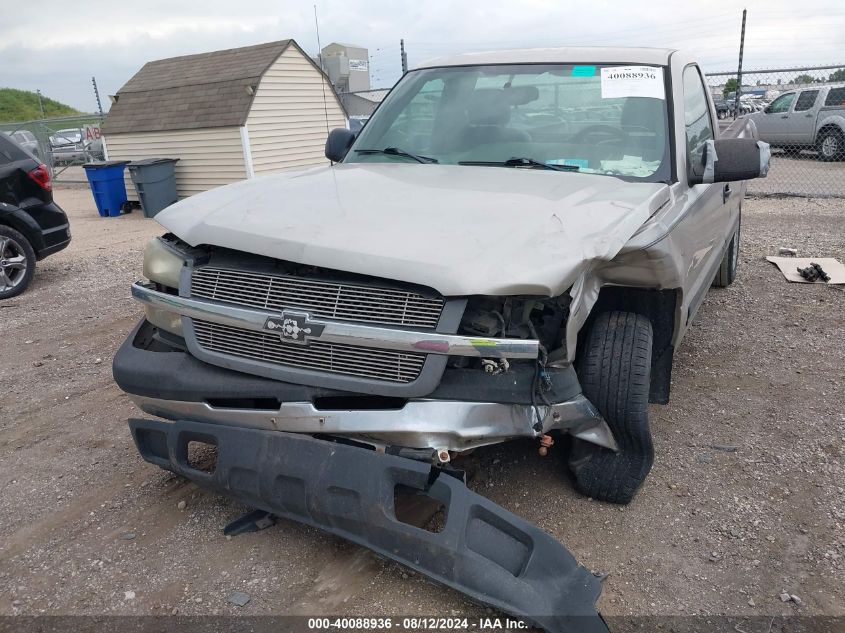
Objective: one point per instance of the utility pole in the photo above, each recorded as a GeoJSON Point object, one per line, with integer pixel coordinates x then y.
{"type": "Point", "coordinates": [739, 69]}
{"type": "Point", "coordinates": [40, 102]}
{"type": "Point", "coordinates": [97, 94]}
{"type": "Point", "coordinates": [404, 56]}
{"type": "Point", "coordinates": [319, 46]}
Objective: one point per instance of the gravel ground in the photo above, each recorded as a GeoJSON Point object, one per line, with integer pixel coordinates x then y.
{"type": "Point", "coordinates": [745, 501]}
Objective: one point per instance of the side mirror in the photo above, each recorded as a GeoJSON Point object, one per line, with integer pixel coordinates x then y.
{"type": "Point", "coordinates": [731, 160]}
{"type": "Point", "coordinates": [767, 109]}
{"type": "Point", "coordinates": [338, 143]}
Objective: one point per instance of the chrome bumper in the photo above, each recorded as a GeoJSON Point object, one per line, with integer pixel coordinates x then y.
{"type": "Point", "coordinates": [436, 424]}
{"type": "Point", "coordinates": [340, 332]}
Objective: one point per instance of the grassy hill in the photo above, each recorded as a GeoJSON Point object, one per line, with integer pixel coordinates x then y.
{"type": "Point", "coordinates": [22, 105]}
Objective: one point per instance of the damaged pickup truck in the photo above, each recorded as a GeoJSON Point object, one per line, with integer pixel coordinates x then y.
{"type": "Point", "coordinates": [512, 247]}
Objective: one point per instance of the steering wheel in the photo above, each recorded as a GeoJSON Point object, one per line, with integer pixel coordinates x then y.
{"type": "Point", "coordinates": [606, 130]}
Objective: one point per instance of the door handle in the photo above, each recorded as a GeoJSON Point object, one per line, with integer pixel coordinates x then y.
{"type": "Point", "coordinates": [809, 116]}
{"type": "Point", "coordinates": [784, 116]}
{"type": "Point", "coordinates": [726, 193]}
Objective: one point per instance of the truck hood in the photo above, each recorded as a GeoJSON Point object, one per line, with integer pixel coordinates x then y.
{"type": "Point", "coordinates": [458, 229]}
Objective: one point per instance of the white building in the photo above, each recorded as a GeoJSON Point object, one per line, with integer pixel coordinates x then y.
{"type": "Point", "coordinates": [226, 115]}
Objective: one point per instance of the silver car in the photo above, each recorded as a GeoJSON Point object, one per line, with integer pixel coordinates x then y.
{"type": "Point", "coordinates": [809, 118]}
{"type": "Point", "coordinates": [71, 146]}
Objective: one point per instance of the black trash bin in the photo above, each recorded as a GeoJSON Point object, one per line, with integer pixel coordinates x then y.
{"type": "Point", "coordinates": [155, 182]}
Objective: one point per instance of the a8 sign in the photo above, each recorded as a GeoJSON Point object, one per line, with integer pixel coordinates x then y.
{"type": "Point", "coordinates": [91, 133]}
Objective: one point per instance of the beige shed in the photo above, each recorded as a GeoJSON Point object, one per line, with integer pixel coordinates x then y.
{"type": "Point", "coordinates": [226, 115]}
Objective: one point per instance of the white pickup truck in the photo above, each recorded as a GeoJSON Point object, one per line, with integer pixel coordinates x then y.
{"type": "Point", "coordinates": [809, 118]}
{"type": "Point", "coordinates": [512, 247]}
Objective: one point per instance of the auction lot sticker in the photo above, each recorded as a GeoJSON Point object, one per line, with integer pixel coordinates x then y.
{"type": "Point", "coordinates": [632, 81]}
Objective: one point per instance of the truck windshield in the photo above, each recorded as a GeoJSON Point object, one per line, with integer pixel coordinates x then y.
{"type": "Point", "coordinates": [605, 120]}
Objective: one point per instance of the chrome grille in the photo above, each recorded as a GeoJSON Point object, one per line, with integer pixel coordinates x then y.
{"type": "Point", "coordinates": [349, 360]}
{"type": "Point", "coordinates": [324, 299]}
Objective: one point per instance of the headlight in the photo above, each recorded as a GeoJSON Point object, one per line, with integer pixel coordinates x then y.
{"type": "Point", "coordinates": [161, 264]}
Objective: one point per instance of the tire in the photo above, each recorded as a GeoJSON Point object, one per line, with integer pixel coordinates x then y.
{"type": "Point", "coordinates": [730, 262]}
{"type": "Point", "coordinates": [615, 374]}
{"type": "Point", "coordinates": [17, 262]}
{"type": "Point", "coordinates": [831, 145]}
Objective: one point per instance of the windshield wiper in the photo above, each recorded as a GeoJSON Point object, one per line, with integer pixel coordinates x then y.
{"type": "Point", "coordinates": [395, 151]}
{"type": "Point", "coordinates": [520, 162]}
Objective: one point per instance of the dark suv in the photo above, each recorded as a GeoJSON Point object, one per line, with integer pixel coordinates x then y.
{"type": "Point", "coordinates": [32, 226]}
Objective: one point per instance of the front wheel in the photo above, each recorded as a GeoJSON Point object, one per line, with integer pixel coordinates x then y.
{"type": "Point", "coordinates": [17, 262]}
{"type": "Point", "coordinates": [615, 374]}
{"type": "Point", "coordinates": [730, 261]}
{"type": "Point", "coordinates": [831, 145]}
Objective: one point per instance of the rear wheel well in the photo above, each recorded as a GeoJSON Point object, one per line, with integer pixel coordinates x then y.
{"type": "Point", "coordinates": [13, 223]}
{"type": "Point", "coordinates": [658, 306]}
{"type": "Point", "coordinates": [827, 127]}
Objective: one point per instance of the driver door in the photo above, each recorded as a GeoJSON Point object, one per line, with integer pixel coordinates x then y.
{"type": "Point", "coordinates": [711, 214]}
{"type": "Point", "coordinates": [773, 125]}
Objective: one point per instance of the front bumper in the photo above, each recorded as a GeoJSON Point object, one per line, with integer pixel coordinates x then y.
{"type": "Point", "coordinates": [484, 551]}
{"type": "Point", "coordinates": [440, 425]}
{"type": "Point", "coordinates": [468, 409]}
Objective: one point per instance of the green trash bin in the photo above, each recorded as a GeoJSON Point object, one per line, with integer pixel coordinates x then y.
{"type": "Point", "coordinates": [155, 182]}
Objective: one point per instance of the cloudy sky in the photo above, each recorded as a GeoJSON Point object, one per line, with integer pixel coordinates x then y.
{"type": "Point", "coordinates": [59, 47]}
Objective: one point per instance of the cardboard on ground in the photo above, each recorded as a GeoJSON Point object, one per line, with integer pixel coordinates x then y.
{"type": "Point", "coordinates": [789, 267]}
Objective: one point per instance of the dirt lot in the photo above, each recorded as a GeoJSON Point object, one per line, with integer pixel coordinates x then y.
{"type": "Point", "coordinates": [745, 501]}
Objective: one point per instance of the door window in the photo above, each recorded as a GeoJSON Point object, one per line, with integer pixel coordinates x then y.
{"type": "Point", "coordinates": [699, 126]}
{"type": "Point", "coordinates": [782, 103]}
{"type": "Point", "coordinates": [806, 100]}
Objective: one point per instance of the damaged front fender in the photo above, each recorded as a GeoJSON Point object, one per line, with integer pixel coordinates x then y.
{"type": "Point", "coordinates": [491, 555]}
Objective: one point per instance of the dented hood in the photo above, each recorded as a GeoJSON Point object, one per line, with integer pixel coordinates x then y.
{"type": "Point", "coordinates": [458, 229]}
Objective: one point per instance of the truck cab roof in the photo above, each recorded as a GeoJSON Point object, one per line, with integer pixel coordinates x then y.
{"type": "Point", "coordinates": [567, 55]}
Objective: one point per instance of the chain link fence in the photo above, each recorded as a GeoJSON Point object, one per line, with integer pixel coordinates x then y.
{"type": "Point", "coordinates": [801, 113]}
{"type": "Point", "coordinates": [63, 144]}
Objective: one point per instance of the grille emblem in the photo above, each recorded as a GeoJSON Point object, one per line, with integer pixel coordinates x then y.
{"type": "Point", "coordinates": [294, 327]}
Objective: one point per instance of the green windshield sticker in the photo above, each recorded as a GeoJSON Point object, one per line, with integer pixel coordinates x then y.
{"type": "Point", "coordinates": [583, 71]}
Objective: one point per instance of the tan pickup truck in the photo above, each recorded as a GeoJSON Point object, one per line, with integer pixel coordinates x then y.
{"type": "Point", "coordinates": [512, 247]}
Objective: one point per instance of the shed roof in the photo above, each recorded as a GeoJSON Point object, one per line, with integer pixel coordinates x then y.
{"type": "Point", "coordinates": [375, 96]}
{"type": "Point", "coordinates": [193, 91]}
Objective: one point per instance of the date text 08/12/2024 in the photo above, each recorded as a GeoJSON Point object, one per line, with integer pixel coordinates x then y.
{"type": "Point", "coordinates": [416, 623]}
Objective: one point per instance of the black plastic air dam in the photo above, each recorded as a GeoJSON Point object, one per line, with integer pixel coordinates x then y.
{"type": "Point", "coordinates": [491, 555]}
